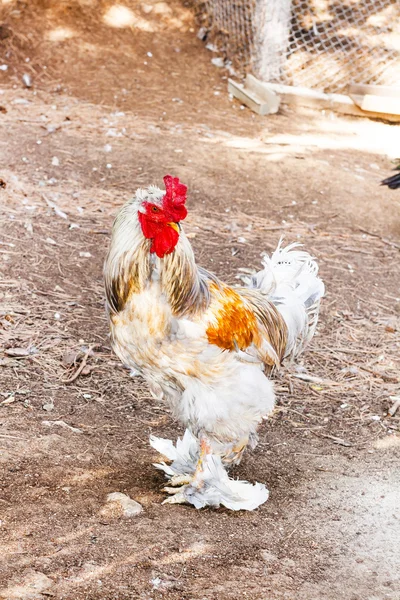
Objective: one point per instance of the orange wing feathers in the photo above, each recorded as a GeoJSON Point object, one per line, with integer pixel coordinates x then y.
{"type": "Point", "coordinates": [241, 318]}
{"type": "Point", "coordinates": [234, 324]}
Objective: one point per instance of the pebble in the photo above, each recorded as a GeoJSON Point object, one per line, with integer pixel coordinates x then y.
{"type": "Point", "coordinates": [27, 80]}
{"type": "Point", "coordinates": [31, 586]}
{"type": "Point", "coordinates": [268, 556]}
{"type": "Point", "coordinates": [119, 504]}
{"type": "Point", "coordinates": [62, 424]}
{"type": "Point", "coordinates": [218, 62]}
{"type": "Point", "coordinates": [20, 101]}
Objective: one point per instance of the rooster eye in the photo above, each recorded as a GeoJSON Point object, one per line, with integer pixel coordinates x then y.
{"type": "Point", "coordinates": [155, 209]}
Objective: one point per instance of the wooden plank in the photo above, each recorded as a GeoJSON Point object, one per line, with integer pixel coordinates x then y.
{"type": "Point", "coordinates": [363, 89]}
{"type": "Point", "coordinates": [379, 104]}
{"type": "Point", "coordinates": [257, 87]}
{"type": "Point", "coordinates": [249, 98]}
{"type": "Point", "coordinates": [336, 102]}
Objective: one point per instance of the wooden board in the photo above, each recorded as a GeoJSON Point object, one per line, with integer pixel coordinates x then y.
{"type": "Point", "coordinates": [250, 98]}
{"type": "Point", "coordinates": [268, 96]}
{"type": "Point", "coordinates": [375, 98]}
{"type": "Point", "coordinates": [375, 90]}
{"type": "Point", "coordinates": [335, 102]}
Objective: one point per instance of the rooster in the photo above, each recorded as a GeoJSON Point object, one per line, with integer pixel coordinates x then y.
{"type": "Point", "coordinates": [204, 348]}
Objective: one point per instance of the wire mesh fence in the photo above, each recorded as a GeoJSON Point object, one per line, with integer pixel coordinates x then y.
{"type": "Point", "coordinates": [230, 26]}
{"type": "Point", "coordinates": [322, 44]}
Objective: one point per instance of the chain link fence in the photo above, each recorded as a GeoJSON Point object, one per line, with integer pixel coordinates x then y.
{"type": "Point", "coordinates": [321, 44]}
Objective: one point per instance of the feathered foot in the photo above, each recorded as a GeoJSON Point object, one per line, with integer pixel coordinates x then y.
{"type": "Point", "coordinates": [204, 481]}
{"type": "Point", "coordinates": [190, 484]}
{"type": "Point", "coordinates": [177, 496]}
{"type": "Point", "coordinates": [177, 480]}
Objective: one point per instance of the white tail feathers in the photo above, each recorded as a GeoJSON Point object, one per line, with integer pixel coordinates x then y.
{"type": "Point", "coordinates": [290, 280]}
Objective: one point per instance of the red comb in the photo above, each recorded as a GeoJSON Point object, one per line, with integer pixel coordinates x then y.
{"type": "Point", "coordinates": [175, 191]}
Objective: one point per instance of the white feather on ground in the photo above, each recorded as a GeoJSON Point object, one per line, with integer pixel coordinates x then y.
{"type": "Point", "coordinates": [217, 488]}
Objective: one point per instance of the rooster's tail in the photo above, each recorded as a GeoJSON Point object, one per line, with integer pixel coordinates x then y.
{"type": "Point", "coordinates": [290, 280]}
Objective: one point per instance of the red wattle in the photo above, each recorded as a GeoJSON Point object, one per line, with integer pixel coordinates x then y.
{"type": "Point", "coordinates": [165, 241]}
{"type": "Point", "coordinates": [164, 238]}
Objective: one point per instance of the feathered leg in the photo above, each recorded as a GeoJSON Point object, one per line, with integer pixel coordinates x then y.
{"type": "Point", "coordinates": [203, 475]}
{"type": "Point", "coordinates": [234, 455]}
{"type": "Point", "coordinates": [195, 480]}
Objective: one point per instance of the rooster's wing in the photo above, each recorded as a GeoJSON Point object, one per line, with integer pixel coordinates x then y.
{"type": "Point", "coordinates": [246, 322]}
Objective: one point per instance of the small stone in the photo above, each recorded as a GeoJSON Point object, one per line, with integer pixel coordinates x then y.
{"type": "Point", "coordinates": [156, 583]}
{"type": "Point", "coordinates": [20, 101]}
{"type": "Point", "coordinates": [27, 80]}
{"type": "Point", "coordinates": [62, 424]}
{"type": "Point", "coordinates": [218, 62]}
{"type": "Point", "coordinates": [70, 357]}
{"type": "Point", "coordinates": [288, 563]}
{"type": "Point", "coordinates": [268, 556]}
{"type": "Point", "coordinates": [18, 352]}
{"type": "Point", "coordinates": [119, 504]}
{"type": "Point", "coordinates": [8, 400]}
{"type": "Point", "coordinates": [212, 47]}
{"type": "Point", "coordinates": [31, 586]}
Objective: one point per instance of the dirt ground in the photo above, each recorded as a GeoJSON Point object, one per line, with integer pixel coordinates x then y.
{"type": "Point", "coordinates": [114, 108]}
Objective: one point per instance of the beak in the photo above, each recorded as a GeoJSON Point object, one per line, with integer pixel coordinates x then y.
{"type": "Point", "coordinates": [175, 226]}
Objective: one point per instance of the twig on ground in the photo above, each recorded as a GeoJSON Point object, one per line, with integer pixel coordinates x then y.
{"type": "Point", "coordinates": [81, 366]}
{"type": "Point", "coordinates": [395, 407]}
{"type": "Point", "coordinates": [335, 439]}
{"type": "Point", "coordinates": [379, 237]}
